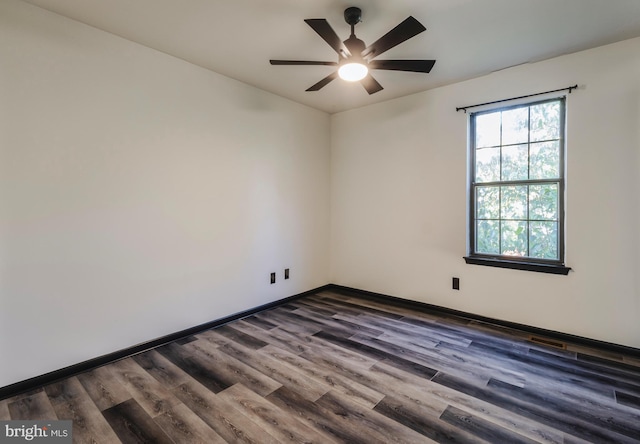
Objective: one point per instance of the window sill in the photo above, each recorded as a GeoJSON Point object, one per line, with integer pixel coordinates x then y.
{"type": "Point", "coordinates": [518, 265]}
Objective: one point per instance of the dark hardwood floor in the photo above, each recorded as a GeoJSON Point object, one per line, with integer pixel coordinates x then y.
{"type": "Point", "coordinates": [330, 368]}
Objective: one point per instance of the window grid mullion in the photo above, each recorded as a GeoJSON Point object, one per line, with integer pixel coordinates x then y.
{"type": "Point", "coordinates": [500, 192]}
{"type": "Point", "coordinates": [528, 177]}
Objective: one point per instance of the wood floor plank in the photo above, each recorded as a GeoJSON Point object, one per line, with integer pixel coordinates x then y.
{"type": "Point", "coordinates": [103, 387]}
{"type": "Point", "coordinates": [335, 355]}
{"type": "Point", "coordinates": [628, 400]}
{"type": "Point", "coordinates": [482, 428]}
{"type": "Point", "coordinates": [4, 410]}
{"type": "Point", "coordinates": [407, 330]}
{"type": "Point", "coordinates": [213, 336]}
{"type": "Point", "coordinates": [293, 325]}
{"type": "Point", "coordinates": [598, 414]}
{"type": "Point", "coordinates": [270, 417]}
{"type": "Point", "coordinates": [36, 406]}
{"type": "Point", "coordinates": [447, 357]}
{"type": "Point", "coordinates": [228, 422]}
{"type": "Point", "coordinates": [438, 397]}
{"type": "Point", "coordinates": [144, 388]}
{"type": "Point", "coordinates": [546, 415]}
{"type": "Point", "coordinates": [593, 352]}
{"type": "Point", "coordinates": [133, 425]}
{"type": "Point", "coordinates": [241, 338]}
{"type": "Point", "coordinates": [635, 361]}
{"type": "Point", "coordinates": [598, 366]}
{"type": "Point", "coordinates": [574, 369]}
{"type": "Point", "coordinates": [321, 419]}
{"type": "Point", "coordinates": [341, 327]}
{"type": "Point", "coordinates": [420, 419]}
{"type": "Point", "coordinates": [233, 371]}
{"type": "Point", "coordinates": [389, 330]}
{"type": "Point", "coordinates": [334, 306]}
{"type": "Point", "coordinates": [198, 367]}
{"type": "Point", "coordinates": [499, 331]}
{"type": "Point", "coordinates": [165, 371]}
{"type": "Point", "coordinates": [71, 402]}
{"type": "Point", "coordinates": [325, 311]}
{"type": "Point", "coordinates": [276, 336]}
{"type": "Point", "coordinates": [568, 362]}
{"type": "Point", "coordinates": [435, 330]}
{"type": "Point", "coordinates": [364, 306]}
{"type": "Point", "coordinates": [397, 311]}
{"type": "Point", "coordinates": [563, 382]}
{"type": "Point", "coordinates": [66, 390]}
{"type": "Point", "coordinates": [348, 387]}
{"type": "Point", "coordinates": [618, 366]}
{"type": "Point", "coordinates": [182, 426]}
{"type": "Point", "coordinates": [186, 340]}
{"type": "Point", "coordinates": [569, 439]}
{"type": "Point", "coordinates": [265, 325]}
{"type": "Point", "coordinates": [361, 419]}
{"type": "Point", "coordinates": [398, 357]}
{"type": "Point", "coordinates": [270, 367]}
{"type": "Point", "coordinates": [391, 351]}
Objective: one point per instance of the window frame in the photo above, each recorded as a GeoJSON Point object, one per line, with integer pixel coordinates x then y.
{"type": "Point", "coordinates": [517, 262]}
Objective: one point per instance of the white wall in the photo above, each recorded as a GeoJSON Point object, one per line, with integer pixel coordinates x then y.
{"type": "Point", "coordinates": [141, 195]}
{"type": "Point", "coordinates": [399, 199]}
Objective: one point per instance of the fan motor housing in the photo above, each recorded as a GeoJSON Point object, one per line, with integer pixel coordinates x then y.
{"type": "Point", "coordinates": [355, 45]}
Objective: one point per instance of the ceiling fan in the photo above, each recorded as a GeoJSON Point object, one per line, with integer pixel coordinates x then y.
{"type": "Point", "coordinates": [355, 59]}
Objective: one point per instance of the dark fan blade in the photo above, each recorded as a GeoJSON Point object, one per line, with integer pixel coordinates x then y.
{"type": "Point", "coordinates": [300, 62]}
{"type": "Point", "coordinates": [404, 31]}
{"type": "Point", "coordinates": [322, 83]}
{"type": "Point", "coordinates": [324, 30]}
{"type": "Point", "coordinates": [370, 84]}
{"type": "Point", "coordinates": [403, 65]}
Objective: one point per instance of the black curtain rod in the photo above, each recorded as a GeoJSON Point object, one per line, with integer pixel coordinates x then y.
{"type": "Point", "coordinates": [568, 88]}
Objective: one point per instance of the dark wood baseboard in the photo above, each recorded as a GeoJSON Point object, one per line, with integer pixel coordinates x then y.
{"type": "Point", "coordinates": [429, 308]}
{"type": "Point", "coordinates": [56, 375]}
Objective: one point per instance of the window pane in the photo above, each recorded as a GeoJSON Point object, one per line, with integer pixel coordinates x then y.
{"type": "Point", "coordinates": [488, 165]}
{"type": "Point", "coordinates": [543, 202]}
{"type": "Point", "coordinates": [545, 160]}
{"type": "Point", "coordinates": [487, 130]}
{"type": "Point", "coordinates": [514, 238]}
{"type": "Point", "coordinates": [488, 237]}
{"type": "Point", "coordinates": [544, 240]}
{"type": "Point", "coordinates": [545, 121]}
{"type": "Point", "coordinates": [488, 199]}
{"type": "Point", "coordinates": [514, 202]}
{"type": "Point", "coordinates": [515, 162]}
{"type": "Point", "coordinates": [515, 126]}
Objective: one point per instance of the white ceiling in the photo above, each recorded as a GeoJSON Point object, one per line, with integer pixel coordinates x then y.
{"type": "Point", "coordinates": [468, 38]}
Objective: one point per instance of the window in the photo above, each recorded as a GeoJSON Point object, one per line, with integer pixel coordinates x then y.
{"type": "Point", "coordinates": [516, 208]}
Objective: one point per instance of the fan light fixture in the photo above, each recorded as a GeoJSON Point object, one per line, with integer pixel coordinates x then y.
{"type": "Point", "coordinates": [355, 59]}
{"type": "Point", "coordinates": [353, 72]}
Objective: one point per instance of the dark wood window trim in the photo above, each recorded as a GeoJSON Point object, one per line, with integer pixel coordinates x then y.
{"type": "Point", "coordinates": [518, 265]}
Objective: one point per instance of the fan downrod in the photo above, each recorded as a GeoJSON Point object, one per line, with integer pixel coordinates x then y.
{"type": "Point", "coordinates": [353, 15]}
